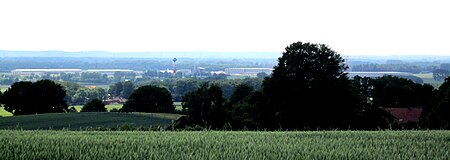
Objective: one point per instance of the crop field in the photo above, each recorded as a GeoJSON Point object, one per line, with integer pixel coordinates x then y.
{"type": "Point", "coordinates": [19, 144]}
{"type": "Point", "coordinates": [77, 121]}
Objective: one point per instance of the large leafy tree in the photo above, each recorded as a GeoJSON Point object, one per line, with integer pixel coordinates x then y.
{"type": "Point", "coordinates": [205, 105]}
{"type": "Point", "coordinates": [44, 96]}
{"type": "Point", "coordinates": [94, 105]}
{"type": "Point", "coordinates": [150, 99]}
{"type": "Point", "coordinates": [121, 89]}
{"type": "Point", "coordinates": [309, 89]}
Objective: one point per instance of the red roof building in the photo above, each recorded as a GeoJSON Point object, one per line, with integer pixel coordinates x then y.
{"type": "Point", "coordinates": [405, 115]}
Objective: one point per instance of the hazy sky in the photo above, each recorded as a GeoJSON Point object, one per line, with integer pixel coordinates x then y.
{"type": "Point", "coordinates": [351, 27]}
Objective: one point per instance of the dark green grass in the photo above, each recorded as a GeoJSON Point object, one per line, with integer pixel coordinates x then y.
{"type": "Point", "coordinates": [220, 145]}
{"type": "Point", "coordinates": [85, 120]}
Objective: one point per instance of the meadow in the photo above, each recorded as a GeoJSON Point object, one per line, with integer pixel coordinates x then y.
{"type": "Point", "coordinates": [428, 78]}
{"type": "Point", "coordinates": [83, 120]}
{"type": "Point", "coordinates": [393, 145]}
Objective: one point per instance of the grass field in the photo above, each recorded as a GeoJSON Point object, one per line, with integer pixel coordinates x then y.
{"type": "Point", "coordinates": [393, 145]}
{"type": "Point", "coordinates": [86, 119]}
{"type": "Point", "coordinates": [4, 113]}
{"type": "Point", "coordinates": [3, 88]}
{"type": "Point", "coordinates": [428, 78]}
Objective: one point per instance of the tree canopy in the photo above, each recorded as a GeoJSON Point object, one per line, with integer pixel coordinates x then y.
{"type": "Point", "coordinates": [43, 96]}
{"type": "Point", "coordinates": [309, 88]}
{"type": "Point", "coordinates": [94, 105]}
{"type": "Point", "coordinates": [205, 105]}
{"type": "Point", "coordinates": [150, 99]}
{"type": "Point", "coordinates": [121, 89]}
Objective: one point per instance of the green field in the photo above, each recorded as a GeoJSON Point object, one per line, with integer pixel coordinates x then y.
{"type": "Point", "coordinates": [3, 88]}
{"type": "Point", "coordinates": [428, 78]}
{"type": "Point", "coordinates": [178, 106]}
{"type": "Point", "coordinates": [333, 145]}
{"type": "Point", "coordinates": [4, 113]}
{"type": "Point", "coordinates": [86, 120]}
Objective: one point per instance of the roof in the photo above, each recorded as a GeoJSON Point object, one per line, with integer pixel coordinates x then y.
{"type": "Point", "coordinates": [405, 115]}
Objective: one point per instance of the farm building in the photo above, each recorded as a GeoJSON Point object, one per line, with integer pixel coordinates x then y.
{"type": "Point", "coordinates": [107, 71]}
{"type": "Point", "coordinates": [115, 100]}
{"type": "Point", "coordinates": [405, 115]}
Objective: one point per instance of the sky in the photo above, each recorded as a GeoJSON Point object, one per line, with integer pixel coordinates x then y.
{"type": "Point", "coordinates": [350, 27]}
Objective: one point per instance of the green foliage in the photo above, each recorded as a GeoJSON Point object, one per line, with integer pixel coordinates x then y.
{"type": "Point", "coordinates": [44, 96]}
{"type": "Point", "coordinates": [240, 92]}
{"type": "Point", "coordinates": [309, 89]}
{"type": "Point", "coordinates": [205, 105]}
{"type": "Point", "coordinates": [150, 99]}
{"type": "Point", "coordinates": [94, 105]}
{"type": "Point", "coordinates": [224, 145]}
{"type": "Point", "coordinates": [121, 89]}
{"type": "Point", "coordinates": [80, 95]}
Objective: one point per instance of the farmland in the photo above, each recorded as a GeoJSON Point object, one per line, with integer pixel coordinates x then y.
{"type": "Point", "coordinates": [83, 120]}
{"type": "Point", "coordinates": [20, 144]}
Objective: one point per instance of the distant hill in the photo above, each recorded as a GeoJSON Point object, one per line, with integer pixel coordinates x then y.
{"type": "Point", "coordinates": [82, 120]}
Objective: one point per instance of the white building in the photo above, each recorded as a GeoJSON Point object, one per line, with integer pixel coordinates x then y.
{"type": "Point", "coordinates": [43, 71]}
{"type": "Point", "coordinates": [107, 71]}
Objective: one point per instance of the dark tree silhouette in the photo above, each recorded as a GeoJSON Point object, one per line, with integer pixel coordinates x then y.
{"type": "Point", "coordinates": [44, 96]}
{"type": "Point", "coordinates": [396, 92]}
{"type": "Point", "coordinates": [240, 92]}
{"type": "Point", "coordinates": [94, 105]}
{"type": "Point", "coordinates": [439, 117]}
{"type": "Point", "coordinates": [309, 89]}
{"type": "Point", "coordinates": [1, 98]}
{"type": "Point", "coordinates": [150, 99]}
{"type": "Point", "coordinates": [205, 105]}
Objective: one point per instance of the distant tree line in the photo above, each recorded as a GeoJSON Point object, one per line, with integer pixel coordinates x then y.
{"type": "Point", "coordinates": [398, 67]}
{"type": "Point", "coordinates": [143, 64]}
